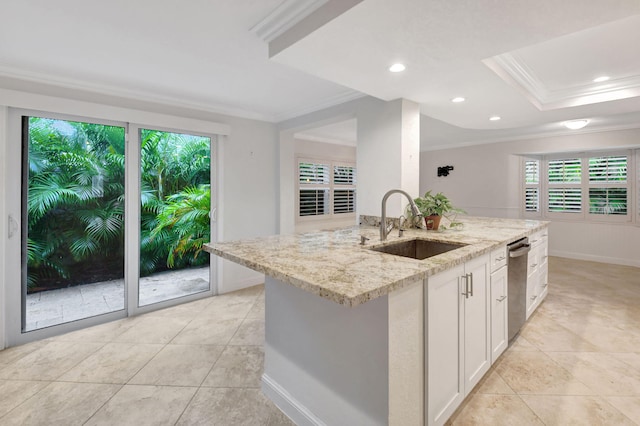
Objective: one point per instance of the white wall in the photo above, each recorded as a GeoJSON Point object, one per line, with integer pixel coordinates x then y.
{"type": "Point", "coordinates": [486, 182]}
{"type": "Point", "coordinates": [3, 221]}
{"type": "Point", "coordinates": [250, 192]}
{"type": "Point", "coordinates": [248, 200]}
{"type": "Point", "coordinates": [324, 151]}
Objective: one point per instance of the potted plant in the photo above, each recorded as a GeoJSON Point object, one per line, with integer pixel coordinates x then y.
{"type": "Point", "coordinates": [433, 207]}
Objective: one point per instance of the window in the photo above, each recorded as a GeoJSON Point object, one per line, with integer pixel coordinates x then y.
{"type": "Point", "coordinates": [608, 185]}
{"type": "Point", "coordinates": [564, 194]}
{"type": "Point", "coordinates": [578, 186]}
{"type": "Point", "coordinates": [325, 189]}
{"type": "Point", "coordinates": [532, 186]}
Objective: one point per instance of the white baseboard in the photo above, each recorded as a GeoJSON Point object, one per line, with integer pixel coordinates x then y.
{"type": "Point", "coordinates": [593, 258]}
{"type": "Point", "coordinates": [297, 412]}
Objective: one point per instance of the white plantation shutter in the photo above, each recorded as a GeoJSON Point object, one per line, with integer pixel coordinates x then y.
{"type": "Point", "coordinates": [532, 187]}
{"type": "Point", "coordinates": [565, 192]}
{"type": "Point", "coordinates": [583, 186]}
{"type": "Point", "coordinates": [608, 185]}
{"type": "Point", "coordinates": [325, 189]}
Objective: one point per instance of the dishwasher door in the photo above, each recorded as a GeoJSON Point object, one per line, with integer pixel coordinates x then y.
{"type": "Point", "coordinates": [517, 285]}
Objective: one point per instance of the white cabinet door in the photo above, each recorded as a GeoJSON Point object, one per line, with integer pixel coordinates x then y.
{"type": "Point", "coordinates": [444, 345]}
{"type": "Point", "coordinates": [499, 313]}
{"type": "Point", "coordinates": [477, 337]}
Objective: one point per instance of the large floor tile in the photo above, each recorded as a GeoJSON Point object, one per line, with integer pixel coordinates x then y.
{"type": "Point", "coordinates": [102, 333]}
{"type": "Point", "coordinates": [228, 308]}
{"type": "Point", "coordinates": [537, 373]}
{"type": "Point", "coordinates": [15, 392]}
{"type": "Point", "coordinates": [144, 405]}
{"type": "Point", "coordinates": [50, 361]}
{"type": "Point", "coordinates": [63, 404]}
{"type": "Point", "coordinates": [229, 407]}
{"type": "Point", "coordinates": [9, 355]}
{"type": "Point", "coordinates": [205, 331]}
{"type": "Point", "coordinates": [601, 371]}
{"type": "Point", "coordinates": [568, 410]}
{"type": "Point", "coordinates": [238, 366]}
{"type": "Point", "coordinates": [250, 332]}
{"type": "Point", "coordinates": [179, 365]}
{"type": "Point", "coordinates": [492, 383]}
{"type": "Point", "coordinates": [113, 363]}
{"type": "Point", "coordinates": [495, 410]}
{"type": "Point", "coordinates": [627, 405]}
{"type": "Point", "coordinates": [153, 330]}
{"type": "Point", "coordinates": [547, 335]}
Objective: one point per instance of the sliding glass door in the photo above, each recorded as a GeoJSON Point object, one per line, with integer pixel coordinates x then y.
{"type": "Point", "coordinates": [72, 221]}
{"type": "Point", "coordinates": [175, 215]}
{"type": "Point", "coordinates": [106, 220]}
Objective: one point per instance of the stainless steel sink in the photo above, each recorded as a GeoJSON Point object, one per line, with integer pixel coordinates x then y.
{"type": "Point", "coordinates": [417, 249]}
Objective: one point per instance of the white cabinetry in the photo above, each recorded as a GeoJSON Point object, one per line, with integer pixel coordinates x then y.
{"type": "Point", "coordinates": [537, 271]}
{"type": "Point", "coordinates": [499, 303]}
{"type": "Point", "coordinates": [458, 344]}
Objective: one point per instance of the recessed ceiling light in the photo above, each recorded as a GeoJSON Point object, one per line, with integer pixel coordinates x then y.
{"type": "Point", "coordinates": [495, 118]}
{"type": "Point", "coordinates": [601, 79]}
{"type": "Point", "coordinates": [458, 99]}
{"type": "Point", "coordinates": [397, 68]}
{"type": "Point", "coordinates": [575, 124]}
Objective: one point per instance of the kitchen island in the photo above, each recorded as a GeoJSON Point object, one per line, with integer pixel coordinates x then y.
{"type": "Point", "coordinates": [348, 329]}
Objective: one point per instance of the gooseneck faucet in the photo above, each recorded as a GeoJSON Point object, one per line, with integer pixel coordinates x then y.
{"type": "Point", "coordinates": [383, 215]}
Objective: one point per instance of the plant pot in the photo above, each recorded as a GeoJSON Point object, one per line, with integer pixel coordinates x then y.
{"type": "Point", "coordinates": [432, 222]}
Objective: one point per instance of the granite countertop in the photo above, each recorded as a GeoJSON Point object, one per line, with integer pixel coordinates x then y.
{"type": "Point", "coordinates": [333, 264]}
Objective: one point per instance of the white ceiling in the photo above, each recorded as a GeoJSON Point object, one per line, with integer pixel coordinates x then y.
{"type": "Point", "coordinates": [530, 62]}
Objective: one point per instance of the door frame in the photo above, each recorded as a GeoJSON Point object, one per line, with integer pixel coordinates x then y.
{"type": "Point", "coordinates": [13, 303]}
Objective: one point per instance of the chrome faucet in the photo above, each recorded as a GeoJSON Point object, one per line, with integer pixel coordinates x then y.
{"type": "Point", "coordinates": [384, 231]}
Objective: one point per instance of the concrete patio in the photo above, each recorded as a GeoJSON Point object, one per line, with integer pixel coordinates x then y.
{"type": "Point", "coordinates": [53, 307]}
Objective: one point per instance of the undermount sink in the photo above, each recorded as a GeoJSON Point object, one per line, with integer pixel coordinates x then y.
{"type": "Point", "coordinates": [417, 249]}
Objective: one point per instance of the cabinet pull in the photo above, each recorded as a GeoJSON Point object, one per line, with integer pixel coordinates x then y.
{"type": "Point", "coordinates": [501, 299]}
{"type": "Point", "coordinates": [534, 297]}
{"type": "Point", "coordinates": [533, 265]}
{"type": "Point", "coordinates": [466, 286]}
{"type": "Point", "coordinates": [471, 276]}
{"type": "Point", "coordinates": [500, 259]}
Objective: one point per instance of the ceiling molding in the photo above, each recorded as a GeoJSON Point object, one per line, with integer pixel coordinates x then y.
{"type": "Point", "coordinates": [514, 70]}
{"type": "Point", "coordinates": [285, 16]}
{"type": "Point", "coordinates": [324, 139]}
{"type": "Point", "coordinates": [535, 135]}
{"type": "Point", "coordinates": [340, 98]}
{"type": "Point", "coordinates": [144, 96]}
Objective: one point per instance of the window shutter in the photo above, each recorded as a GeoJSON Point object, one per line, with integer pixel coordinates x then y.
{"type": "Point", "coordinates": [566, 200]}
{"type": "Point", "coordinates": [314, 173]}
{"type": "Point", "coordinates": [314, 202]}
{"type": "Point", "coordinates": [344, 201]}
{"type": "Point", "coordinates": [531, 200]}
{"type": "Point", "coordinates": [532, 172]}
{"type": "Point", "coordinates": [608, 169]}
{"type": "Point", "coordinates": [344, 175]}
{"type": "Point", "coordinates": [565, 171]}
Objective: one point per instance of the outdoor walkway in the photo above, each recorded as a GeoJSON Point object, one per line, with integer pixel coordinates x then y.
{"type": "Point", "coordinates": [53, 307]}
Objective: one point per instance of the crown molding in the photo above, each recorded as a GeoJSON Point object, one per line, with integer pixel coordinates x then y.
{"type": "Point", "coordinates": [285, 16]}
{"type": "Point", "coordinates": [514, 70]}
{"type": "Point", "coordinates": [137, 95]}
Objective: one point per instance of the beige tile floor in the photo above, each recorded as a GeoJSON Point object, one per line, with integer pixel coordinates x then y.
{"type": "Point", "coordinates": [576, 362]}
{"type": "Point", "coordinates": [577, 359]}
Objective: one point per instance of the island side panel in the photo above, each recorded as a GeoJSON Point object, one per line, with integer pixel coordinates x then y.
{"type": "Point", "coordinates": [326, 363]}
{"type": "Point", "coordinates": [406, 355]}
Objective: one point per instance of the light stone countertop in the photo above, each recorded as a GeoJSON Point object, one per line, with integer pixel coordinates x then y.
{"type": "Point", "coordinates": [333, 264]}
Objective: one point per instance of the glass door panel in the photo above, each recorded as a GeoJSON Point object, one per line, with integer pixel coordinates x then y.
{"type": "Point", "coordinates": [73, 221]}
{"type": "Point", "coordinates": [175, 219]}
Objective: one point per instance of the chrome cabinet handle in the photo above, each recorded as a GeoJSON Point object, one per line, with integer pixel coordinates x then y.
{"type": "Point", "coordinates": [534, 297]}
{"type": "Point", "coordinates": [501, 298]}
{"type": "Point", "coordinates": [501, 258]}
{"type": "Point", "coordinates": [471, 276]}
{"type": "Point", "coordinates": [466, 286]}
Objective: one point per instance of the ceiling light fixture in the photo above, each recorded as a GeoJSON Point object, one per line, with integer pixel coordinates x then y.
{"type": "Point", "coordinates": [601, 79]}
{"type": "Point", "coordinates": [458, 99]}
{"type": "Point", "coordinates": [576, 124]}
{"type": "Point", "coordinates": [397, 68]}
{"type": "Point", "coordinates": [495, 118]}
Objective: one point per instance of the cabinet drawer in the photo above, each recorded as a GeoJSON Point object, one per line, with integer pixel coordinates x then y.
{"type": "Point", "coordinates": [538, 238]}
{"type": "Point", "coordinates": [498, 258]}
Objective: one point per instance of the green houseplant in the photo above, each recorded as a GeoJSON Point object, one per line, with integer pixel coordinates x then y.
{"type": "Point", "coordinates": [434, 206]}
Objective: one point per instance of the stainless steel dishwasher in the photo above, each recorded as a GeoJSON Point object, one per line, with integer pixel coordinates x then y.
{"type": "Point", "coordinates": [517, 284]}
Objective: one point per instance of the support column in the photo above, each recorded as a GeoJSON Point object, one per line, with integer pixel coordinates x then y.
{"type": "Point", "coordinates": [388, 155]}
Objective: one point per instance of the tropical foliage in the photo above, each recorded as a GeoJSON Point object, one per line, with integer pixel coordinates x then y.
{"type": "Point", "coordinates": [75, 202]}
